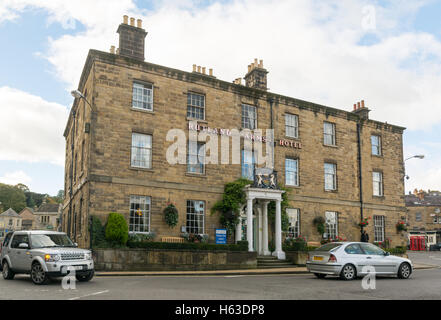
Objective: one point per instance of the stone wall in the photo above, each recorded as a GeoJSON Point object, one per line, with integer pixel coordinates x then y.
{"type": "Point", "coordinates": [167, 260]}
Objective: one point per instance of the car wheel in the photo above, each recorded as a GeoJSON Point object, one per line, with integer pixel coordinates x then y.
{"type": "Point", "coordinates": [404, 271]}
{"type": "Point", "coordinates": [85, 278]}
{"type": "Point", "coordinates": [8, 274]}
{"type": "Point", "coordinates": [38, 275]}
{"type": "Point", "coordinates": [348, 272]}
{"type": "Point", "coordinates": [320, 275]}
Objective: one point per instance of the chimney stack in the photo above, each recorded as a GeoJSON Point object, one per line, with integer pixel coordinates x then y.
{"type": "Point", "coordinates": [256, 76]}
{"type": "Point", "coordinates": [132, 39]}
{"type": "Point", "coordinates": [361, 110]}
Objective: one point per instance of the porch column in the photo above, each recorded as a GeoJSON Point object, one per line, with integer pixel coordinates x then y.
{"type": "Point", "coordinates": [265, 229]}
{"type": "Point", "coordinates": [259, 228]}
{"type": "Point", "coordinates": [239, 230]}
{"type": "Point", "coordinates": [279, 253]}
{"type": "Point", "coordinates": [250, 224]}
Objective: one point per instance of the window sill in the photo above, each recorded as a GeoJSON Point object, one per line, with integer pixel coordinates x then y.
{"type": "Point", "coordinates": [292, 138]}
{"type": "Point", "coordinates": [331, 191]}
{"type": "Point", "coordinates": [378, 197]}
{"type": "Point", "coordinates": [142, 110]}
{"type": "Point", "coordinates": [197, 175]}
{"type": "Point", "coordinates": [377, 156]}
{"type": "Point", "coordinates": [330, 146]}
{"type": "Point", "coordinates": [197, 120]}
{"type": "Point", "coordinates": [292, 187]}
{"type": "Point", "coordinates": [141, 169]}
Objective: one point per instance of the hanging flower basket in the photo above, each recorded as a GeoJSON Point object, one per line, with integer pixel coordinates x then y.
{"type": "Point", "coordinates": [364, 223]}
{"type": "Point", "coordinates": [171, 215]}
{"type": "Point", "coordinates": [401, 226]}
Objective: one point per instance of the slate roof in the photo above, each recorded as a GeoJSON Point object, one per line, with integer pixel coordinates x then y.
{"type": "Point", "coordinates": [10, 213]}
{"type": "Point", "coordinates": [48, 207]}
{"type": "Point", "coordinates": [428, 201]}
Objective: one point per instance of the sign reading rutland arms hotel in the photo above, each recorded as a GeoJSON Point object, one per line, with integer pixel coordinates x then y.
{"type": "Point", "coordinates": [246, 134]}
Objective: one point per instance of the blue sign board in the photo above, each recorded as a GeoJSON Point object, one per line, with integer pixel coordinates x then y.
{"type": "Point", "coordinates": [221, 236]}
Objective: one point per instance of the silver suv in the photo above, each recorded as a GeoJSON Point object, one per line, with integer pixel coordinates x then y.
{"type": "Point", "coordinates": [43, 255]}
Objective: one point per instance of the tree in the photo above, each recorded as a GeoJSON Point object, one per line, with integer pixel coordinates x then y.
{"type": "Point", "coordinates": [12, 197]}
{"type": "Point", "coordinates": [22, 187]}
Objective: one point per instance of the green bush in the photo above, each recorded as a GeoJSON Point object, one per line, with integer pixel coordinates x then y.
{"type": "Point", "coordinates": [171, 215]}
{"type": "Point", "coordinates": [397, 250]}
{"type": "Point", "coordinates": [117, 230]}
{"type": "Point", "coordinates": [98, 233]}
{"type": "Point", "coordinates": [187, 246]}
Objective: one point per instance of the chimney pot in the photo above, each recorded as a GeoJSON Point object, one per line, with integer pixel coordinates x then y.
{"type": "Point", "coordinates": [261, 64]}
{"type": "Point", "coordinates": [210, 72]}
{"type": "Point", "coordinates": [249, 68]}
{"type": "Point", "coordinates": [132, 22]}
{"type": "Point", "coordinates": [112, 49]}
{"type": "Point", "coordinates": [355, 106]}
{"type": "Point", "coordinates": [362, 103]}
{"type": "Point", "coordinates": [199, 69]}
{"type": "Point", "coordinates": [358, 105]}
{"type": "Point", "coordinates": [203, 70]}
{"type": "Point", "coordinates": [194, 68]}
{"type": "Point", "coordinates": [126, 19]}
{"type": "Point", "coordinates": [139, 22]}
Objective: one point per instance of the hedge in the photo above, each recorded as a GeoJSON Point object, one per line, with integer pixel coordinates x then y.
{"type": "Point", "coordinates": [397, 250]}
{"type": "Point", "coordinates": [188, 246]}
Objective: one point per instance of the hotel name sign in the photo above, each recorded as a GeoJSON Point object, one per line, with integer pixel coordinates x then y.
{"type": "Point", "coordinates": [246, 135]}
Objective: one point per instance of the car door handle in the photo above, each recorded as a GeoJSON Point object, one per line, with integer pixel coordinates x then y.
{"type": "Point", "coordinates": [368, 257]}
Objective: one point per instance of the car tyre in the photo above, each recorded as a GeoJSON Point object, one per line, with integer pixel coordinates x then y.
{"type": "Point", "coordinates": [8, 274]}
{"type": "Point", "coordinates": [404, 271]}
{"type": "Point", "coordinates": [348, 272]}
{"type": "Point", "coordinates": [85, 278]}
{"type": "Point", "coordinates": [320, 275]}
{"type": "Point", "coordinates": [38, 275]}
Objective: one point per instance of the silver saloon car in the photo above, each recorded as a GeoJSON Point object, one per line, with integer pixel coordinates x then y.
{"type": "Point", "coordinates": [352, 259]}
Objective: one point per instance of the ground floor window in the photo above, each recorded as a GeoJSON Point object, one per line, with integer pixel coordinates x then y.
{"type": "Point", "coordinates": [195, 216]}
{"type": "Point", "coordinates": [139, 214]}
{"type": "Point", "coordinates": [331, 218]}
{"type": "Point", "coordinates": [294, 223]}
{"type": "Point", "coordinates": [378, 228]}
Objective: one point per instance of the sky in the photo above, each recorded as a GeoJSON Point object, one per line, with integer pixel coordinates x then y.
{"type": "Point", "coordinates": [334, 52]}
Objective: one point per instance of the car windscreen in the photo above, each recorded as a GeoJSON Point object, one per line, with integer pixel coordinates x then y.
{"type": "Point", "coordinates": [328, 247]}
{"type": "Point", "coordinates": [50, 241]}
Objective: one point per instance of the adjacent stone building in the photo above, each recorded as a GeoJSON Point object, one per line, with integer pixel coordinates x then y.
{"type": "Point", "coordinates": [9, 221]}
{"type": "Point", "coordinates": [424, 215]}
{"type": "Point", "coordinates": [116, 147]}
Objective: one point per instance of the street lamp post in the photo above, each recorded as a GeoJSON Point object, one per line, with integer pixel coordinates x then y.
{"type": "Point", "coordinates": [418, 156]}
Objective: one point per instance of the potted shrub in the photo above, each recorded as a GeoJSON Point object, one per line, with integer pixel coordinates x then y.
{"type": "Point", "coordinates": [319, 223]}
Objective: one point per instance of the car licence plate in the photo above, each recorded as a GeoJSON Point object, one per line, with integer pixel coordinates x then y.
{"type": "Point", "coordinates": [69, 268]}
{"type": "Point", "coordinates": [316, 258]}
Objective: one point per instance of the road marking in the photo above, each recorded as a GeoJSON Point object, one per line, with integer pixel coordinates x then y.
{"type": "Point", "coordinates": [88, 295]}
{"type": "Point", "coordinates": [234, 276]}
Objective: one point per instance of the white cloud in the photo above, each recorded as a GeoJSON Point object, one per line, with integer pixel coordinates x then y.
{"type": "Point", "coordinates": [16, 177]}
{"type": "Point", "coordinates": [31, 129]}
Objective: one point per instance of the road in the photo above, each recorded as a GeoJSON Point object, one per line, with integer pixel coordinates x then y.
{"type": "Point", "coordinates": [424, 284]}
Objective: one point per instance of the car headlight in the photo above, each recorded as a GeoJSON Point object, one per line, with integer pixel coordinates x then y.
{"type": "Point", "coordinates": [88, 256]}
{"type": "Point", "coordinates": [51, 257]}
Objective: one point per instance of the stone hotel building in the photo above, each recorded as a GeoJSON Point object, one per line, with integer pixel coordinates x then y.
{"type": "Point", "coordinates": [337, 164]}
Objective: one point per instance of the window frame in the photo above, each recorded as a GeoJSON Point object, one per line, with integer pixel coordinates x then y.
{"type": "Point", "coordinates": [331, 228]}
{"type": "Point", "coordinates": [295, 126]}
{"type": "Point", "coordinates": [144, 87]}
{"type": "Point", "coordinates": [148, 205]}
{"type": "Point", "coordinates": [195, 214]}
{"type": "Point", "coordinates": [191, 108]}
{"type": "Point", "coordinates": [377, 147]}
{"type": "Point", "coordinates": [334, 175]}
{"type": "Point", "coordinates": [243, 122]}
{"type": "Point", "coordinates": [243, 163]}
{"type": "Point", "coordinates": [294, 230]}
{"type": "Point", "coordinates": [198, 164]}
{"type": "Point", "coordinates": [333, 135]}
{"type": "Point", "coordinates": [296, 172]}
{"type": "Point", "coordinates": [149, 149]}
{"type": "Point", "coordinates": [378, 184]}
{"type": "Point", "coordinates": [379, 229]}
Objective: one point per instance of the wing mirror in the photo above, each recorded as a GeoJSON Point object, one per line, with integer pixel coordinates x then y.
{"type": "Point", "coordinates": [386, 253]}
{"type": "Point", "coordinates": [23, 246]}
{"type": "Point", "coordinates": [76, 245]}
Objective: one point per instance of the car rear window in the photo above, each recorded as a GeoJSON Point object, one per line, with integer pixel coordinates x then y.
{"type": "Point", "coordinates": [328, 247]}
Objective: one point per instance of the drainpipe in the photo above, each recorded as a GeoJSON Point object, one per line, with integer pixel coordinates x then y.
{"type": "Point", "coordinates": [360, 179]}
{"type": "Point", "coordinates": [69, 220]}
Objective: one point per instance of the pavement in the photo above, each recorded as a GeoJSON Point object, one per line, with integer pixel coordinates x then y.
{"type": "Point", "coordinates": [293, 270]}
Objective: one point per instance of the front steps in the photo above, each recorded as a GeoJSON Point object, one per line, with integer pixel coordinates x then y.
{"type": "Point", "coordinates": [270, 262]}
